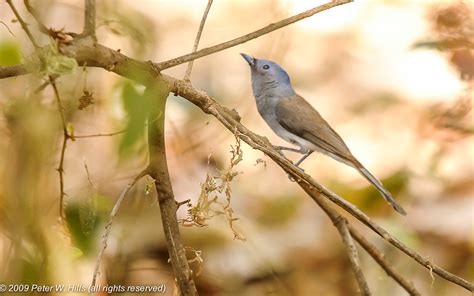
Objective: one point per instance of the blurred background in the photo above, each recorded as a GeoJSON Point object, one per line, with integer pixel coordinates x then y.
{"type": "Point", "coordinates": [395, 78]}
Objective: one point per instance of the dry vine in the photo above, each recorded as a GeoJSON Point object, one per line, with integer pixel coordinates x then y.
{"type": "Point", "coordinates": [213, 190]}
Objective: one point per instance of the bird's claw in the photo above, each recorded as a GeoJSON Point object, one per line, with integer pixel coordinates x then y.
{"type": "Point", "coordinates": [291, 177]}
{"type": "Point", "coordinates": [279, 149]}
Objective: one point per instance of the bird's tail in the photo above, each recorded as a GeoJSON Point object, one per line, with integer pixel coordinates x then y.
{"type": "Point", "coordinates": [384, 192]}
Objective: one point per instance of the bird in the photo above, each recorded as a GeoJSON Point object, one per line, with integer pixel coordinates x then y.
{"type": "Point", "coordinates": [295, 120]}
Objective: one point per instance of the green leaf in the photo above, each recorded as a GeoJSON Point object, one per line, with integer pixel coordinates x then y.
{"type": "Point", "coordinates": [84, 219]}
{"type": "Point", "coordinates": [9, 53]}
{"type": "Point", "coordinates": [136, 106]}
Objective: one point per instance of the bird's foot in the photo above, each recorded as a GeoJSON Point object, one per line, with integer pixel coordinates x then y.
{"type": "Point", "coordinates": [279, 149]}
{"type": "Point", "coordinates": [291, 177]}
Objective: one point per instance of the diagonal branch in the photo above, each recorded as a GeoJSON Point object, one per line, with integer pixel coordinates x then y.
{"type": "Point", "coordinates": [380, 259]}
{"type": "Point", "coordinates": [23, 24]}
{"type": "Point", "coordinates": [108, 227]}
{"type": "Point", "coordinates": [344, 231]}
{"type": "Point", "coordinates": [231, 43]}
{"type": "Point", "coordinates": [343, 228]}
{"type": "Point", "coordinates": [36, 16]}
{"type": "Point", "coordinates": [196, 41]}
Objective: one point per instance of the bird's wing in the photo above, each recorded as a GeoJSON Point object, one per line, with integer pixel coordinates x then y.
{"type": "Point", "coordinates": [297, 116]}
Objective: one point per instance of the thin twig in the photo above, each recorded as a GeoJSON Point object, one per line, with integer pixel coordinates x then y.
{"type": "Point", "coordinates": [60, 170]}
{"type": "Point", "coordinates": [108, 226]}
{"type": "Point", "coordinates": [52, 81]}
{"type": "Point", "coordinates": [66, 137]}
{"type": "Point", "coordinates": [99, 135]}
{"type": "Point", "coordinates": [89, 18]}
{"type": "Point", "coordinates": [36, 16]}
{"type": "Point", "coordinates": [196, 41]}
{"type": "Point", "coordinates": [89, 176]}
{"type": "Point", "coordinates": [23, 24]}
{"type": "Point", "coordinates": [110, 134]}
{"type": "Point", "coordinates": [265, 30]}
{"type": "Point", "coordinates": [380, 259]}
{"type": "Point", "coordinates": [8, 28]}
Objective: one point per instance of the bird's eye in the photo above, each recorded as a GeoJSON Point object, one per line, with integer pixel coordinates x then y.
{"type": "Point", "coordinates": [266, 67]}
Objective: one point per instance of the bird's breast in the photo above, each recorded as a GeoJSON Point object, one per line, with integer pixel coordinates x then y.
{"type": "Point", "coordinates": [266, 106]}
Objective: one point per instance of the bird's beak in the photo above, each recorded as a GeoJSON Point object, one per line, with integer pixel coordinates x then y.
{"type": "Point", "coordinates": [249, 59]}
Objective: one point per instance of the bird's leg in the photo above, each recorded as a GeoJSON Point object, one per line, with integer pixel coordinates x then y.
{"type": "Point", "coordinates": [281, 148]}
{"type": "Point", "coordinates": [303, 158]}
{"type": "Point", "coordinates": [299, 162]}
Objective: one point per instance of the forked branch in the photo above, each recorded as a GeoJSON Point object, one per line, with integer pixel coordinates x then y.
{"type": "Point", "coordinates": [231, 43]}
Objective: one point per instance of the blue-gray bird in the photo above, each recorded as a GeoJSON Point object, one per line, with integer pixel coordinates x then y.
{"type": "Point", "coordinates": [295, 120]}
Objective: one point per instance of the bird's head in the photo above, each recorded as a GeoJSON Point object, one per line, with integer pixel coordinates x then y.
{"type": "Point", "coordinates": [267, 74]}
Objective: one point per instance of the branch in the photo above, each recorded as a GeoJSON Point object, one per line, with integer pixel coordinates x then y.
{"type": "Point", "coordinates": [342, 227]}
{"type": "Point", "coordinates": [89, 19]}
{"type": "Point", "coordinates": [99, 135]}
{"type": "Point", "coordinates": [158, 170]}
{"type": "Point", "coordinates": [36, 16]}
{"type": "Point", "coordinates": [108, 227]}
{"type": "Point", "coordinates": [52, 81]}
{"type": "Point", "coordinates": [109, 134]}
{"type": "Point", "coordinates": [23, 24]}
{"type": "Point", "coordinates": [196, 41]}
{"type": "Point", "coordinates": [231, 43]}
{"type": "Point", "coordinates": [344, 231]}
{"type": "Point", "coordinates": [12, 71]}
{"type": "Point", "coordinates": [380, 259]}
{"type": "Point", "coordinates": [66, 137]}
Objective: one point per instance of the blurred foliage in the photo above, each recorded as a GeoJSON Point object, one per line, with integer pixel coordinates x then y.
{"type": "Point", "coordinates": [379, 101]}
{"type": "Point", "coordinates": [9, 53]}
{"type": "Point", "coordinates": [55, 63]}
{"type": "Point", "coordinates": [137, 107]}
{"type": "Point", "coordinates": [84, 218]}
{"type": "Point", "coordinates": [29, 268]}
{"type": "Point", "coordinates": [453, 26]}
{"type": "Point", "coordinates": [368, 198]}
{"type": "Point", "coordinates": [277, 211]}
{"type": "Point", "coordinates": [133, 25]}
